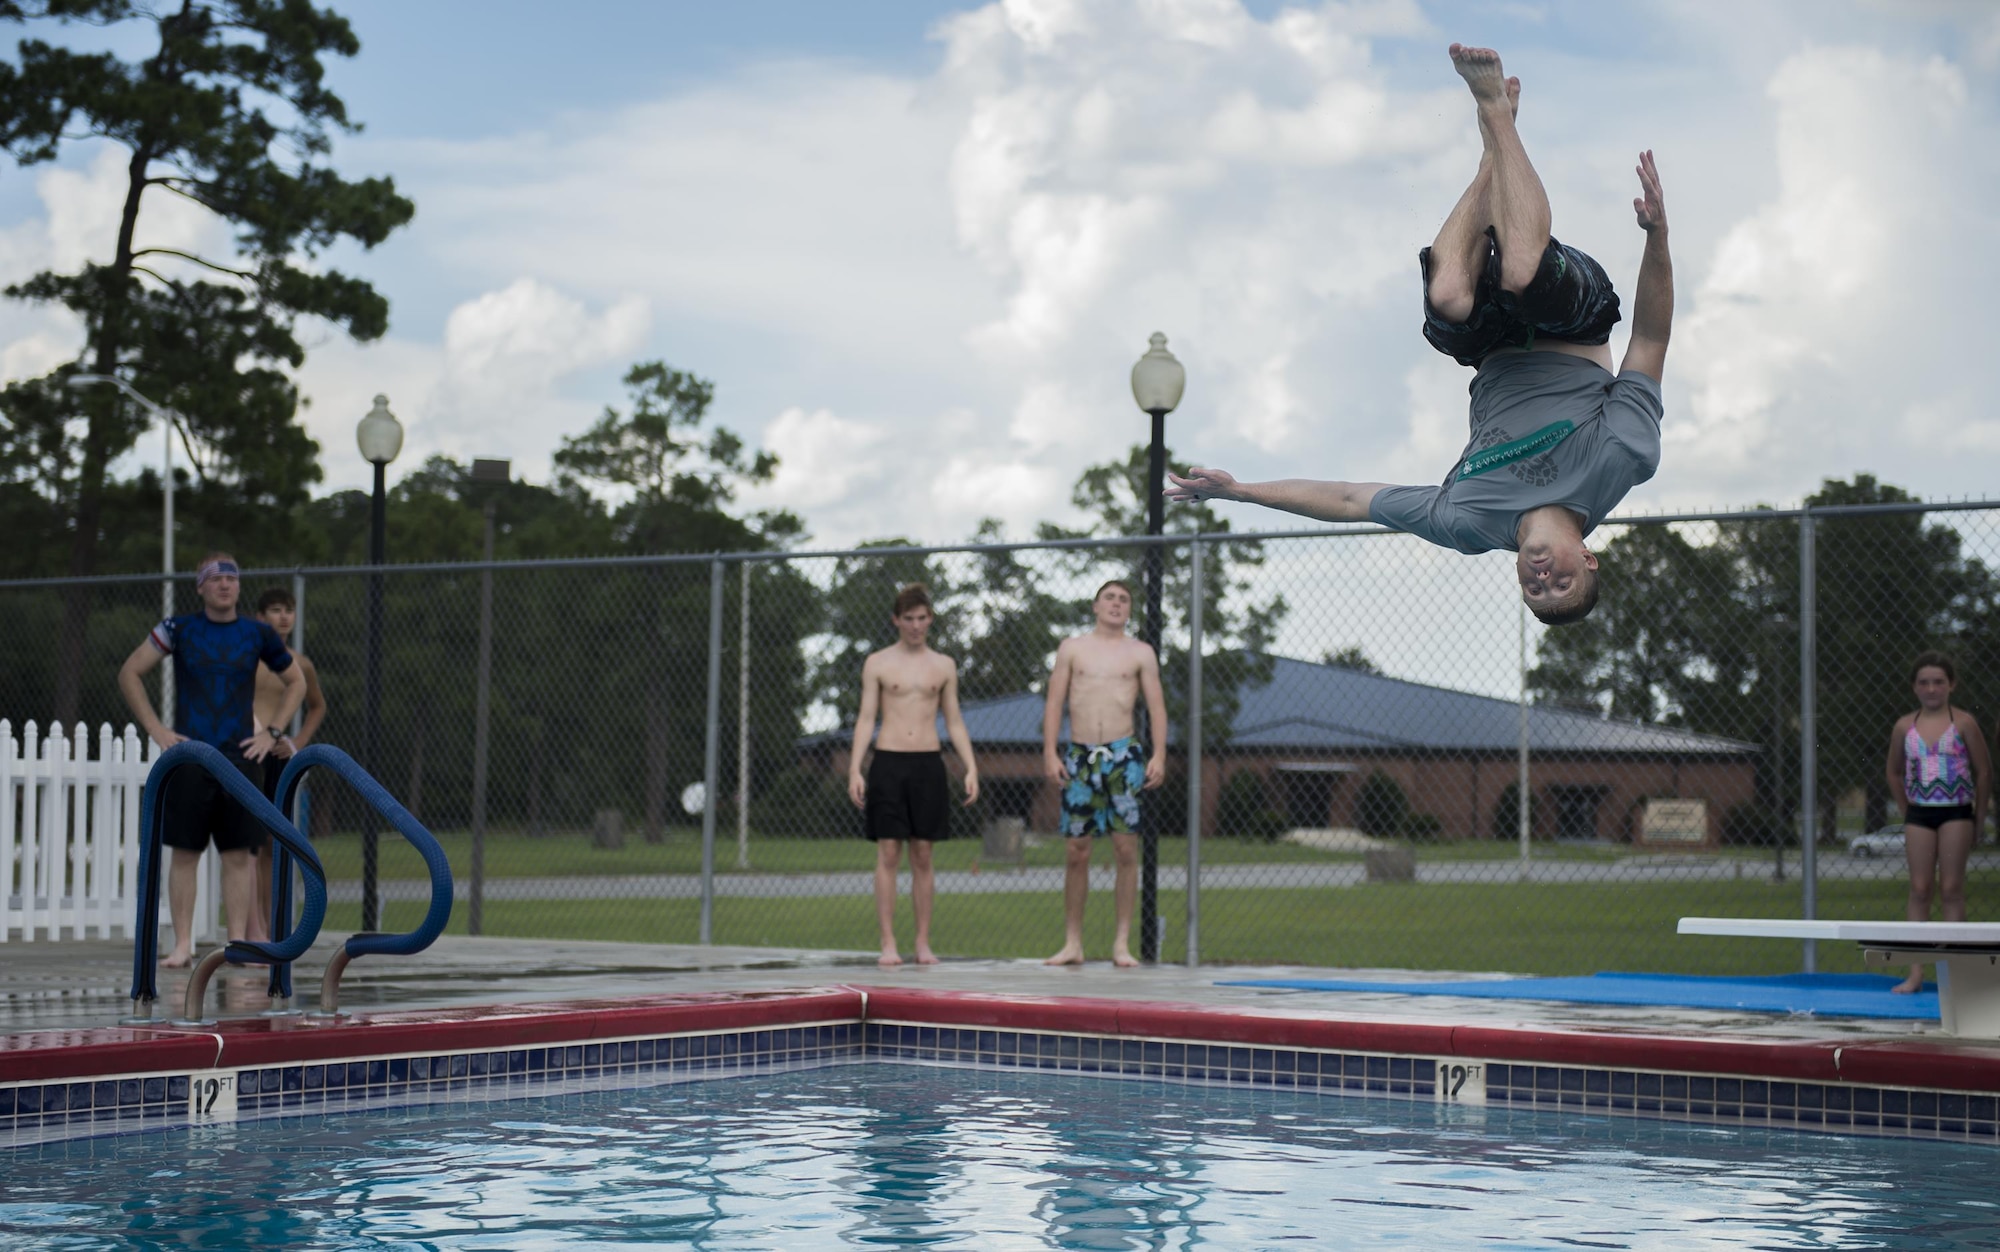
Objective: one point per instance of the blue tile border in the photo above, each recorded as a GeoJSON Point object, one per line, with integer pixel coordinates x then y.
{"type": "Point", "coordinates": [1842, 1107]}
{"type": "Point", "coordinates": [82, 1107]}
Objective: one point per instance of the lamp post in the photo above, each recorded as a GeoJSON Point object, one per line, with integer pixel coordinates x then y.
{"type": "Point", "coordinates": [380, 437]}
{"type": "Point", "coordinates": [1157, 382]}
{"type": "Point", "coordinates": [165, 416]}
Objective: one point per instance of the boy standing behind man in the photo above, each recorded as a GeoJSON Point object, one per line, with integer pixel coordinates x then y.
{"type": "Point", "coordinates": [1101, 676]}
{"type": "Point", "coordinates": [905, 796]}
{"type": "Point", "coordinates": [277, 609]}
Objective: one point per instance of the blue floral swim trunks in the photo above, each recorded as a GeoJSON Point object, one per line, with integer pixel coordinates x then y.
{"type": "Point", "coordinates": [1102, 795]}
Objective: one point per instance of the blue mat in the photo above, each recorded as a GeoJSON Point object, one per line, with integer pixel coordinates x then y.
{"type": "Point", "coordinates": [1825, 995]}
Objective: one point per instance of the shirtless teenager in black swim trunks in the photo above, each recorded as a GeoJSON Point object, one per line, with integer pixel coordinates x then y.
{"type": "Point", "coordinates": [1557, 439]}
{"type": "Point", "coordinates": [904, 795]}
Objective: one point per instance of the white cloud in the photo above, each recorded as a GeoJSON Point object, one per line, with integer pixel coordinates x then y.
{"type": "Point", "coordinates": [1832, 315]}
{"type": "Point", "coordinates": [924, 291]}
{"type": "Point", "coordinates": [823, 461]}
{"type": "Point", "coordinates": [494, 389]}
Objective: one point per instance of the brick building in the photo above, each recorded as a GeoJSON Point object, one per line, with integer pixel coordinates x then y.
{"type": "Point", "coordinates": [1314, 734]}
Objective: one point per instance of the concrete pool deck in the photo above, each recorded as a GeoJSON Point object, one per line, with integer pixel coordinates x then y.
{"type": "Point", "coordinates": [85, 984]}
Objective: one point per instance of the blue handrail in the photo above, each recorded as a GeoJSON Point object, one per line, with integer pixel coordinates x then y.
{"type": "Point", "coordinates": [152, 819]}
{"type": "Point", "coordinates": [375, 796]}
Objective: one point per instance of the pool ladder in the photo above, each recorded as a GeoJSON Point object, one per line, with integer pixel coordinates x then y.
{"type": "Point", "coordinates": [287, 943]}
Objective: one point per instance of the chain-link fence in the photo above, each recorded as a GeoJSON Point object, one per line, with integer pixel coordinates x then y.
{"type": "Point", "coordinates": [1376, 758]}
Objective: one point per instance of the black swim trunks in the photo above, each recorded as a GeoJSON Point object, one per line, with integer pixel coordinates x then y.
{"type": "Point", "coordinates": [1570, 298]}
{"type": "Point", "coordinates": [909, 796]}
{"type": "Point", "coordinates": [1934, 816]}
{"type": "Point", "coordinates": [195, 807]}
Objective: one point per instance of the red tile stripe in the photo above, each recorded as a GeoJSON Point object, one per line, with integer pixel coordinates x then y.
{"type": "Point", "coordinates": [45, 1055]}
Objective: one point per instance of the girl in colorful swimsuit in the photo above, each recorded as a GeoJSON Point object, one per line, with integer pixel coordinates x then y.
{"type": "Point", "coordinates": [1940, 773]}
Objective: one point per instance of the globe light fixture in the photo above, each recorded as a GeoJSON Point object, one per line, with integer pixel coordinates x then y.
{"type": "Point", "coordinates": [1158, 378]}
{"type": "Point", "coordinates": [379, 435]}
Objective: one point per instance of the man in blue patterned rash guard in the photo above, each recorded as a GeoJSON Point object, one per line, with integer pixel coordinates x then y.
{"type": "Point", "coordinates": [1557, 438]}
{"type": "Point", "coordinates": [215, 654]}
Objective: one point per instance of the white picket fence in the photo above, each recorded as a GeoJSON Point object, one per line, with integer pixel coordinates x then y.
{"type": "Point", "coordinates": [69, 837]}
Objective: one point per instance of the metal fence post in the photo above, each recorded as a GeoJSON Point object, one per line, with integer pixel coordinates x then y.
{"type": "Point", "coordinates": [1523, 797]}
{"type": "Point", "coordinates": [711, 756]}
{"type": "Point", "coordinates": [1808, 729]}
{"type": "Point", "coordinates": [743, 730]}
{"type": "Point", "coordinates": [302, 804]}
{"type": "Point", "coordinates": [1194, 757]}
{"type": "Point", "coordinates": [475, 916]}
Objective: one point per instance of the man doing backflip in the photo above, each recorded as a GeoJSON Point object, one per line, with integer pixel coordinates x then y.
{"type": "Point", "coordinates": [215, 654]}
{"type": "Point", "coordinates": [1100, 677]}
{"type": "Point", "coordinates": [1557, 438]}
{"type": "Point", "coordinates": [905, 796]}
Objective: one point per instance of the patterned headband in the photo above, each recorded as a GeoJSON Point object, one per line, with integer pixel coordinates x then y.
{"type": "Point", "coordinates": [214, 569]}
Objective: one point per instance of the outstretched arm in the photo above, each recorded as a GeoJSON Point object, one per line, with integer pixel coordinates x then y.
{"type": "Point", "coordinates": [1653, 302]}
{"type": "Point", "coordinates": [1326, 501]}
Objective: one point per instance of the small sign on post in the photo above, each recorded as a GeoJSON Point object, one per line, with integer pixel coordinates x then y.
{"type": "Point", "coordinates": [1675, 824]}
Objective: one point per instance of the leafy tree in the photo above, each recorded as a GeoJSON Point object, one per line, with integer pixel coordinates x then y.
{"type": "Point", "coordinates": [678, 478]}
{"type": "Point", "coordinates": [1008, 620]}
{"type": "Point", "coordinates": [230, 112]}
{"type": "Point", "coordinates": [1703, 633]}
{"type": "Point", "coordinates": [1351, 657]}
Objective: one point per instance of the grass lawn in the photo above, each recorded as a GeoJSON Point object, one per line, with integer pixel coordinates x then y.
{"type": "Point", "coordinates": [1577, 928]}
{"type": "Point", "coordinates": [512, 855]}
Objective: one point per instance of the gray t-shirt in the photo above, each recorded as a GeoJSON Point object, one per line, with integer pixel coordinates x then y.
{"type": "Point", "coordinates": [1547, 428]}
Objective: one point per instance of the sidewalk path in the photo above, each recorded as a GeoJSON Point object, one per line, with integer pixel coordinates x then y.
{"type": "Point", "coordinates": [765, 886]}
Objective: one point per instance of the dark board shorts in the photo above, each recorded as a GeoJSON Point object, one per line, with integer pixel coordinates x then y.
{"type": "Point", "coordinates": [909, 796]}
{"type": "Point", "coordinates": [1571, 299]}
{"type": "Point", "coordinates": [195, 808]}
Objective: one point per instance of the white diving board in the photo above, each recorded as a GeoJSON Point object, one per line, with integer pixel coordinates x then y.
{"type": "Point", "coordinates": [1967, 955]}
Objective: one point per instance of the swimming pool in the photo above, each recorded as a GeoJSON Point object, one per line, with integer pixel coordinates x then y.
{"type": "Point", "coordinates": [925, 1156]}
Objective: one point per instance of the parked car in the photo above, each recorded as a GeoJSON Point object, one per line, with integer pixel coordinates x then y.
{"type": "Point", "coordinates": [1887, 841]}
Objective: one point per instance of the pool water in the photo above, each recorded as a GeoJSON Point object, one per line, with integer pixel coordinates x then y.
{"type": "Point", "coordinates": [910, 1156]}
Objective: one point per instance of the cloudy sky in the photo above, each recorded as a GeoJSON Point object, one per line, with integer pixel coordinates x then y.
{"type": "Point", "coordinates": [918, 245]}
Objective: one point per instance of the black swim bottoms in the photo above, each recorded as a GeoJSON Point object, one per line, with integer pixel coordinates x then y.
{"type": "Point", "coordinates": [1571, 298]}
{"type": "Point", "coordinates": [909, 796]}
{"type": "Point", "coordinates": [1934, 816]}
{"type": "Point", "coordinates": [195, 807]}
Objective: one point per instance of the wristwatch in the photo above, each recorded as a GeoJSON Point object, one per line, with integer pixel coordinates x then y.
{"type": "Point", "coordinates": [276, 732]}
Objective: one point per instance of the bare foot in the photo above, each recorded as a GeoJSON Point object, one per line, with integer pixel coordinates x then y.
{"type": "Point", "coordinates": [177, 959]}
{"type": "Point", "coordinates": [1480, 68]}
{"type": "Point", "coordinates": [1121, 956]}
{"type": "Point", "coordinates": [1072, 954]}
{"type": "Point", "coordinates": [925, 956]}
{"type": "Point", "coordinates": [1909, 986]}
{"type": "Point", "coordinates": [889, 959]}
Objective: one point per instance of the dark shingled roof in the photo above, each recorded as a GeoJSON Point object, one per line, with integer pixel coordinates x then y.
{"type": "Point", "coordinates": [1329, 708]}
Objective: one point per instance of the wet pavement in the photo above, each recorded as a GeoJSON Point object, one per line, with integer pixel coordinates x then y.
{"type": "Point", "coordinates": [86, 983]}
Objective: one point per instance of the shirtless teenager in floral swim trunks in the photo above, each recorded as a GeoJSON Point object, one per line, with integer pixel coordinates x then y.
{"type": "Point", "coordinates": [1100, 678]}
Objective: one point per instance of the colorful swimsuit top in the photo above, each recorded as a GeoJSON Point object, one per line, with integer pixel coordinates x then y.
{"type": "Point", "coordinates": [1937, 775]}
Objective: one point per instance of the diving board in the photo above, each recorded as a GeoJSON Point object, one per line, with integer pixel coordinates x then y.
{"type": "Point", "coordinates": [1967, 955]}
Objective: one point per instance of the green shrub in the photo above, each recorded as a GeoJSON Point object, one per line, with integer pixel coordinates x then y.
{"type": "Point", "coordinates": [1244, 809]}
{"type": "Point", "coordinates": [1506, 813]}
{"type": "Point", "coordinates": [1381, 807]}
{"type": "Point", "coordinates": [1753, 823]}
{"type": "Point", "coordinates": [1420, 826]}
